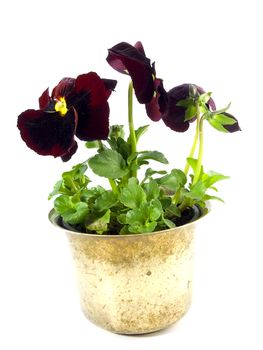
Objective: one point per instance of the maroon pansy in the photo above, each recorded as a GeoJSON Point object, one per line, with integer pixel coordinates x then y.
{"type": "Point", "coordinates": [128, 59]}
{"type": "Point", "coordinates": [76, 107]}
{"type": "Point", "coordinates": [174, 115]}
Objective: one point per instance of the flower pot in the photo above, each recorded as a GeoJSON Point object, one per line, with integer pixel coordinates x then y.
{"type": "Point", "coordinates": [133, 284]}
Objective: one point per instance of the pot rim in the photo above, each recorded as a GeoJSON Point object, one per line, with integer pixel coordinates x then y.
{"type": "Point", "coordinates": [53, 218]}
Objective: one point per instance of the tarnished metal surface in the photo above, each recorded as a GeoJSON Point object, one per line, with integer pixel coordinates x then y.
{"type": "Point", "coordinates": [135, 283]}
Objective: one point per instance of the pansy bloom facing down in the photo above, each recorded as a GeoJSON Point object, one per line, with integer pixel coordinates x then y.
{"type": "Point", "coordinates": [128, 59]}
{"type": "Point", "coordinates": [76, 107]}
{"type": "Point", "coordinates": [174, 115]}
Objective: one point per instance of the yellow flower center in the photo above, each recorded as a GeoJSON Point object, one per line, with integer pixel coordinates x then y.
{"type": "Point", "coordinates": [61, 106]}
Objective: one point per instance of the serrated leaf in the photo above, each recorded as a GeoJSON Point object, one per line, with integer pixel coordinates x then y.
{"type": "Point", "coordinates": [107, 200]}
{"type": "Point", "coordinates": [151, 189]}
{"type": "Point", "coordinates": [173, 181]}
{"type": "Point", "coordinates": [132, 195]}
{"type": "Point", "coordinates": [72, 213]}
{"type": "Point", "coordinates": [109, 164]}
{"type": "Point", "coordinates": [154, 210]}
{"type": "Point", "coordinates": [77, 214]}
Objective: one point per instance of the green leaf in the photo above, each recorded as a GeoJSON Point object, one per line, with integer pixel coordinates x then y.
{"type": "Point", "coordinates": [197, 191]}
{"type": "Point", "coordinates": [92, 144]}
{"type": "Point", "coordinates": [107, 200]}
{"type": "Point", "coordinates": [154, 209]}
{"type": "Point", "coordinates": [140, 131]}
{"type": "Point", "coordinates": [77, 214]}
{"type": "Point", "coordinates": [109, 164]}
{"type": "Point", "coordinates": [72, 213]}
{"type": "Point", "coordinates": [123, 147]}
{"type": "Point", "coordinates": [208, 197]}
{"type": "Point", "coordinates": [224, 120]}
{"type": "Point", "coordinates": [154, 155]}
{"type": "Point", "coordinates": [100, 224]}
{"type": "Point", "coordinates": [212, 177]}
{"type": "Point", "coordinates": [193, 163]}
{"type": "Point", "coordinates": [92, 193]}
{"type": "Point", "coordinates": [132, 195]}
{"type": "Point", "coordinates": [173, 181]}
{"type": "Point", "coordinates": [169, 223]}
{"type": "Point", "coordinates": [139, 228]}
{"type": "Point", "coordinates": [57, 189]}
{"type": "Point", "coordinates": [151, 189]}
{"type": "Point", "coordinates": [149, 172]}
{"type": "Point", "coordinates": [72, 181]}
{"type": "Point", "coordinates": [173, 211]}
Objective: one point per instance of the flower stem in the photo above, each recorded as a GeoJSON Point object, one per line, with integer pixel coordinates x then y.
{"type": "Point", "coordinates": [200, 152]}
{"type": "Point", "coordinates": [113, 185]}
{"type": "Point", "coordinates": [192, 152]}
{"type": "Point", "coordinates": [133, 139]}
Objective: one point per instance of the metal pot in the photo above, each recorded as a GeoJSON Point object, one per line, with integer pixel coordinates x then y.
{"type": "Point", "coordinates": [133, 284]}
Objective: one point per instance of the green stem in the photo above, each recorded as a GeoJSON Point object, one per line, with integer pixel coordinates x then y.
{"type": "Point", "coordinates": [192, 152]}
{"type": "Point", "coordinates": [200, 153]}
{"type": "Point", "coordinates": [133, 139]}
{"type": "Point", "coordinates": [113, 185]}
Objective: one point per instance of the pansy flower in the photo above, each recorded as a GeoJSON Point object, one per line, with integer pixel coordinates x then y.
{"type": "Point", "coordinates": [76, 107]}
{"type": "Point", "coordinates": [131, 60]}
{"type": "Point", "coordinates": [174, 115]}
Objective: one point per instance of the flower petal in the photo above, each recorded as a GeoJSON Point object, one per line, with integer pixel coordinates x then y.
{"type": "Point", "coordinates": [65, 88]}
{"type": "Point", "coordinates": [109, 85]}
{"type": "Point", "coordinates": [124, 57]}
{"type": "Point", "coordinates": [44, 100]}
{"type": "Point", "coordinates": [90, 101]}
{"type": "Point", "coordinates": [47, 133]}
{"type": "Point", "coordinates": [157, 105]}
{"type": "Point", "coordinates": [73, 149]}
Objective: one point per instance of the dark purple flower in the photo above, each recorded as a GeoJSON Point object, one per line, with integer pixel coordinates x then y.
{"type": "Point", "coordinates": [76, 107]}
{"type": "Point", "coordinates": [174, 115]}
{"type": "Point", "coordinates": [234, 127]}
{"type": "Point", "coordinates": [128, 59]}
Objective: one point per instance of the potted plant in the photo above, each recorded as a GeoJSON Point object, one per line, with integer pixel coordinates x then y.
{"type": "Point", "coordinates": [132, 242]}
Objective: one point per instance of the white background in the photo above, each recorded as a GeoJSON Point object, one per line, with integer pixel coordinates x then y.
{"type": "Point", "coordinates": [215, 44]}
